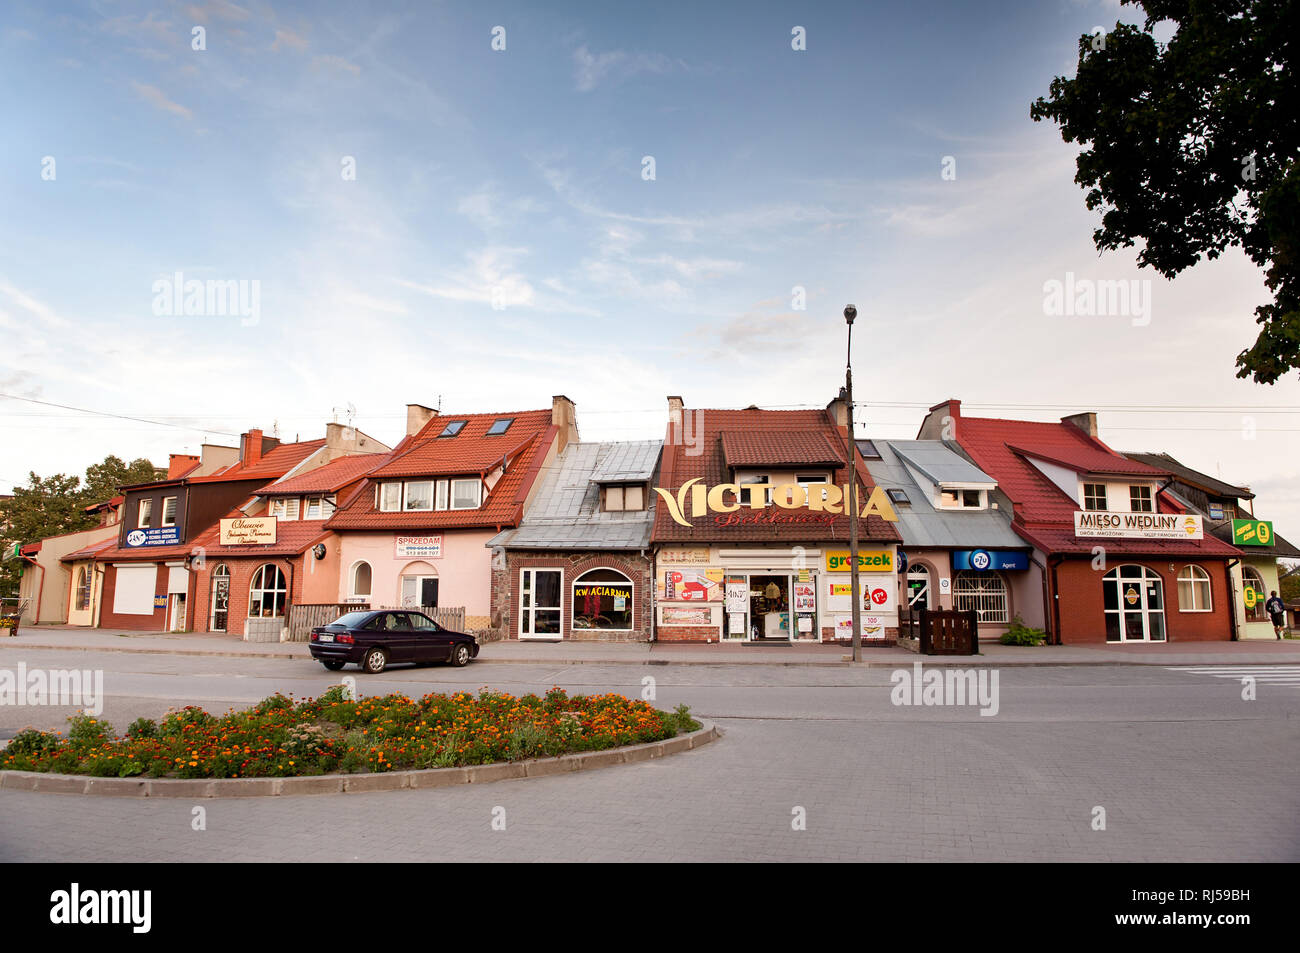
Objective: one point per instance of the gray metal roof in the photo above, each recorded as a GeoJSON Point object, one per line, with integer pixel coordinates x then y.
{"type": "Point", "coordinates": [565, 512]}
{"type": "Point", "coordinates": [921, 523]}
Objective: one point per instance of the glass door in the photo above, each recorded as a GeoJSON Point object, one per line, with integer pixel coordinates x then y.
{"type": "Point", "coordinates": [540, 607]}
{"type": "Point", "coordinates": [1134, 605]}
{"type": "Point", "coordinates": [220, 599]}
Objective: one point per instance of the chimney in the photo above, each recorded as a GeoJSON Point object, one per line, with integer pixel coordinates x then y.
{"type": "Point", "coordinates": [417, 415]}
{"type": "Point", "coordinates": [839, 411]}
{"type": "Point", "coordinates": [178, 463]}
{"type": "Point", "coordinates": [250, 447]}
{"type": "Point", "coordinates": [941, 423]}
{"type": "Point", "coordinates": [564, 415]}
{"type": "Point", "coordinates": [1086, 422]}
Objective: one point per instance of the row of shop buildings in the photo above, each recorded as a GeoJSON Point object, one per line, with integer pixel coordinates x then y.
{"type": "Point", "coordinates": [733, 528]}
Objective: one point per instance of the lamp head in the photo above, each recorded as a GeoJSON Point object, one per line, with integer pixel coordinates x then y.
{"type": "Point", "coordinates": [850, 313]}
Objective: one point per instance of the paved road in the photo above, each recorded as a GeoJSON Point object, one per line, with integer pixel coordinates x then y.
{"type": "Point", "coordinates": [1184, 768]}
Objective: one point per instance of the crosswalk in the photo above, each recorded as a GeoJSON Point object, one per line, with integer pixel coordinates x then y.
{"type": "Point", "coordinates": [1268, 674]}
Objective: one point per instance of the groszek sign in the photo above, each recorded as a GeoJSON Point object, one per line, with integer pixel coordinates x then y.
{"type": "Point", "coordinates": [825, 500]}
{"type": "Point", "coordinates": [1137, 525]}
{"type": "Point", "coordinates": [1252, 532]}
{"type": "Point", "coordinates": [248, 531]}
{"type": "Point", "coordinates": [869, 560]}
{"type": "Point", "coordinates": [989, 560]}
{"type": "Point", "coordinates": [418, 547]}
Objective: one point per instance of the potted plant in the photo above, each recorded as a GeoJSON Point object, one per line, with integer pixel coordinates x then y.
{"type": "Point", "coordinates": [8, 625]}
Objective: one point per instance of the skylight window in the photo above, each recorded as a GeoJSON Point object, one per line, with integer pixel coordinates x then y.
{"type": "Point", "coordinates": [500, 426]}
{"type": "Point", "coordinates": [868, 450]}
{"type": "Point", "coordinates": [453, 427]}
{"type": "Point", "coordinates": [900, 497]}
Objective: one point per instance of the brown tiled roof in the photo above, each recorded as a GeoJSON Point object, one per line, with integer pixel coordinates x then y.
{"type": "Point", "coordinates": [291, 538]}
{"type": "Point", "coordinates": [774, 448]}
{"type": "Point", "coordinates": [330, 478]}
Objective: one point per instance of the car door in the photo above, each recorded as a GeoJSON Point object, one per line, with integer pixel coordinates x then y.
{"type": "Point", "coordinates": [402, 638]}
{"type": "Point", "coordinates": [432, 642]}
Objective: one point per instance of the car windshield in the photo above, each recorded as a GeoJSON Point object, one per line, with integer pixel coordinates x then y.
{"type": "Point", "coordinates": [351, 619]}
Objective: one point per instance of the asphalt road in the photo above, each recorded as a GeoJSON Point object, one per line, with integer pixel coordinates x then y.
{"type": "Point", "coordinates": [1182, 766]}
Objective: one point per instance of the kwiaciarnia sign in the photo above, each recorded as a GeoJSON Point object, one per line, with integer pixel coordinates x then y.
{"type": "Point", "coordinates": [824, 498]}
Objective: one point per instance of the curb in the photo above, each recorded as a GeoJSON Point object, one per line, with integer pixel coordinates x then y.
{"type": "Point", "coordinates": [354, 783]}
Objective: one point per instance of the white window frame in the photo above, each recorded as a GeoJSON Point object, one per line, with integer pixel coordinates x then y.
{"type": "Point", "coordinates": [285, 508]}
{"type": "Point", "coordinates": [174, 501]}
{"type": "Point", "coordinates": [352, 579]}
{"type": "Point", "coordinates": [1144, 494]}
{"type": "Point", "coordinates": [316, 505]}
{"type": "Point", "coordinates": [390, 497]}
{"type": "Point", "coordinates": [1196, 577]}
{"type": "Point", "coordinates": [260, 573]}
{"type": "Point", "coordinates": [406, 496]}
{"type": "Point", "coordinates": [530, 612]}
{"type": "Point", "coordinates": [573, 600]}
{"type": "Point", "coordinates": [981, 498]}
{"type": "Point", "coordinates": [441, 498]}
{"type": "Point", "coordinates": [983, 599]}
{"type": "Point", "coordinates": [478, 494]}
{"type": "Point", "coordinates": [144, 514]}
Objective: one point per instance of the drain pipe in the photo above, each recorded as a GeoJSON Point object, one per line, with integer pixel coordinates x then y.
{"type": "Point", "coordinates": [1047, 599]}
{"type": "Point", "coordinates": [1232, 600]}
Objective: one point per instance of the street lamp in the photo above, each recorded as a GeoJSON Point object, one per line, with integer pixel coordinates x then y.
{"type": "Point", "coordinates": [850, 313]}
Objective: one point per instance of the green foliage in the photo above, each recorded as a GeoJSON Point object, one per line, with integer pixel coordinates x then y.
{"type": "Point", "coordinates": [1190, 148]}
{"type": "Point", "coordinates": [142, 728]}
{"type": "Point", "coordinates": [30, 741]}
{"type": "Point", "coordinates": [1020, 634]}
{"type": "Point", "coordinates": [680, 720]}
{"type": "Point", "coordinates": [85, 731]}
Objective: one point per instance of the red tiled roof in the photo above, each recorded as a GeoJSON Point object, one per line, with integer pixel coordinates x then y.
{"type": "Point", "coordinates": [275, 463]}
{"type": "Point", "coordinates": [763, 448]}
{"type": "Point", "coordinates": [1043, 512]}
{"type": "Point", "coordinates": [469, 452]}
{"type": "Point", "coordinates": [330, 478]}
{"type": "Point", "coordinates": [88, 551]}
{"type": "Point", "coordinates": [291, 538]}
{"type": "Point", "coordinates": [707, 460]}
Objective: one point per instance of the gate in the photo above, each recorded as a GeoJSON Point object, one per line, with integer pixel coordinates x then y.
{"type": "Point", "coordinates": [949, 632]}
{"type": "Point", "coordinates": [302, 619]}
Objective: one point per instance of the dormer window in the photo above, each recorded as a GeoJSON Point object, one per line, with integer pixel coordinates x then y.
{"type": "Point", "coordinates": [1094, 496]}
{"type": "Point", "coordinates": [960, 499]}
{"type": "Point", "coordinates": [169, 511]}
{"type": "Point", "coordinates": [1139, 499]}
{"type": "Point", "coordinates": [390, 497]}
{"type": "Point", "coordinates": [145, 518]}
{"type": "Point", "coordinates": [500, 426]}
{"type": "Point", "coordinates": [624, 498]}
{"type": "Point", "coordinates": [318, 507]}
{"type": "Point", "coordinates": [453, 427]}
{"type": "Point", "coordinates": [466, 494]}
{"type": "Point", "coordinates": [285, 508]}
{"type": "Point", "coordinates": [419, 495]}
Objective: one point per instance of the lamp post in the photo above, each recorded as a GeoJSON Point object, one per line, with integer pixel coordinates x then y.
{"type": "Point", "coordinates": [850, 313]}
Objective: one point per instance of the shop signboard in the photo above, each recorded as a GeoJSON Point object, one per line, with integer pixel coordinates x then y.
{"type": "Point", "coordinates": [161, 535]}
{"type": "Point", "coordinates": [879, 593]}
{"type": "Point", "coordinates": [818, 501]}
{"type": "Point", "coordinates": [737, 595]}
{"type": "Point", "coordinates": [1252, 532]}
{"type": "Point", "coordinates": [687, 615]}
{"type": "Point", "coordinates": [989, 560]}
{"type": "Point", "coordinates": [1137, 525]}
{"type": "Point", "coordinates": [869, 560]}
{"type": "Point", "coordinates": [693, 585]}
{"type": "Point", "coordinates": [689, 556]}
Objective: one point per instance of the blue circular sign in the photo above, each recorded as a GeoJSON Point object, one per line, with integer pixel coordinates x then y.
{"type": "Point", "coordinates": [980, 559]}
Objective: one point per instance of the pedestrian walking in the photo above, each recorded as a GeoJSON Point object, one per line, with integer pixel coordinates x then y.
{"type": "Point", "coordinates": [1277, 611]}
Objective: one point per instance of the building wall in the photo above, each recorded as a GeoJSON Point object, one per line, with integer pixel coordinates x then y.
{"type": "Point", "coordinates": [48, 589]}
{"type": "Point", "coordinates": [241, 577]}
{"type": "Point", "coordinates": [1267, 569]}
{"type": "Point", "coordinates": [84, 616]}
{"type": "Point", "coordinates": [1082, 606]}
{"type": "Point", "coordinates": [505, 590]}
{"type": "Point", "coordinates": [108, 619]}
{"type": "Point", "coordinates": [464, 570]}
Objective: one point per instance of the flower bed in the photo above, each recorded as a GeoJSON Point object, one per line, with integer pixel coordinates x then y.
{"type": "Point", "coordinates": [331, 734]}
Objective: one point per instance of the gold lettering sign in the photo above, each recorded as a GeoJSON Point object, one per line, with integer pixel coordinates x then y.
{"type": "Point", "coordinates": [726, 498]}
{"type": "Point", "coordinates": [248, 531]}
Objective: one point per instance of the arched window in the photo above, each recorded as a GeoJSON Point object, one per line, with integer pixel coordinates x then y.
{"type": "Point", "coordinates": [267, 593]}
{"type": "Point", "coordinates": [1134, 599]}
{"type": "Point", "coordinates": [918, 587]}
{"type": "Point", "coordinates": [1251, 579]}
{"type": "Point", "coordinates": [83, 589]}
{"type": "Point", "coordinates": [361, 579]}
{"type": "Point", "coordinates": [602, 599]}
{"type": "Point", "coordinates": [1194, 590]}
{"type": "Point", "coordinates": [985, 592]}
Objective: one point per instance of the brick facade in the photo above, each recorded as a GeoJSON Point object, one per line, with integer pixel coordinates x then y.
{"type": "Point", "coordinates": [241, 577]}
{"type": "Point", "coordinates": [505, 590]}
{"type": "Point", "coordinates": [108, 619]}
{"type": "Point", "coordinates": [1082, 609]}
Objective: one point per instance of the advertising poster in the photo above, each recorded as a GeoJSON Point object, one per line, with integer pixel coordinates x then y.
{"type": "Point", "coordinates": [693, 585]}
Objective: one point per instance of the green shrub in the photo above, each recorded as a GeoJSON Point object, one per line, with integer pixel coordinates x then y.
{"type": "Point", "coordinates": [1020, 634]}
{"type": "Point", "coordinates": [33, 743]}
{"type": "Point", "coordinates": [87, 731]}
{"type": "Point", "coordinates": [142, 728]}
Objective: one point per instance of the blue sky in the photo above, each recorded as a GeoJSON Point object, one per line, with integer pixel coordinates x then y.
{"type": "Point", "coordinates": [516, 176]}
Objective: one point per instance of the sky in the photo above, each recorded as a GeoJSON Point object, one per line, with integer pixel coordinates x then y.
{"type": "Point", "coordinates": [624, 202]}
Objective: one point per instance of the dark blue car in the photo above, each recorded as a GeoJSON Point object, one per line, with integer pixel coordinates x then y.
{"type": "Point", "coordinates": [374, 638]}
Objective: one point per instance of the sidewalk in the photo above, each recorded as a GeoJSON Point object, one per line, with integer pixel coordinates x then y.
{"type": "Point", "coordinates": [1269, 652]}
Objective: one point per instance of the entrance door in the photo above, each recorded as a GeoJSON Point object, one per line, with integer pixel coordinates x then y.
{"type": "Point", "coordinates": [540, 604]}
{"type": "Point", "coordinates": [220, 600]}
{"type": "Point", "coordinates": [176, 616]}
{"type": "Point", "coordinates": [769, 608]}
{"type": "Point", "coordinates": [1135, 605]}
{"type": "Point", "coordinates": [420, 591]}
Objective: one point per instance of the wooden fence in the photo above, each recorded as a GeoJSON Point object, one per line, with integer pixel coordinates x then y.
{"type": "Point", "coordinates": [949, 632]}
{"type": "Point", "coordinates": [302, 619]}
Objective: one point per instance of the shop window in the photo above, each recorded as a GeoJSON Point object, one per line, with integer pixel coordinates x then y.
{"type": "Point", "coordinates": [918, 587]}
{"type": "Point", "coordinates": [1139, 499]}
{"type": "Point", "coordinates": [985, 592]}
{"type": "Point", "coordinates": [540, 609]}
{"type": "Point", "coordinates": [419, 495]}
{"type": "Point", "coordinates": [1094, 496]}
{"type": "Point", "coordinates": [268, 593]}
{"type": "Point", "coordinates": [1194, 590]}
{"type": "Point", "coordinates": [169, 511]}
{"type": "Point", "coordinates": [1251, 579]}
{"type": "Point", "coordinates": [466, 494]}
{"type": "Point", "coordinates": [145, 516]}
{"type": "Point", "coordinates": [361, 575]}
{"type": "Point", "coordinates": [602, 599]}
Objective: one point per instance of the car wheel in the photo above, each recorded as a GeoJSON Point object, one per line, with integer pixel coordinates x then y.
{"type": "Point", "coordinates": [333, 664]}
{"type": "Point", "coordinates": [460, 655]}
{"type": "Point", "coordinates": [375, 661]}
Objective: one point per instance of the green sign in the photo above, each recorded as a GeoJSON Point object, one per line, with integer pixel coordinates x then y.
{"type": "Point", "coordinates": [1252, 532]}
{"type": "Point", "coordinates": [1251, 598]}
